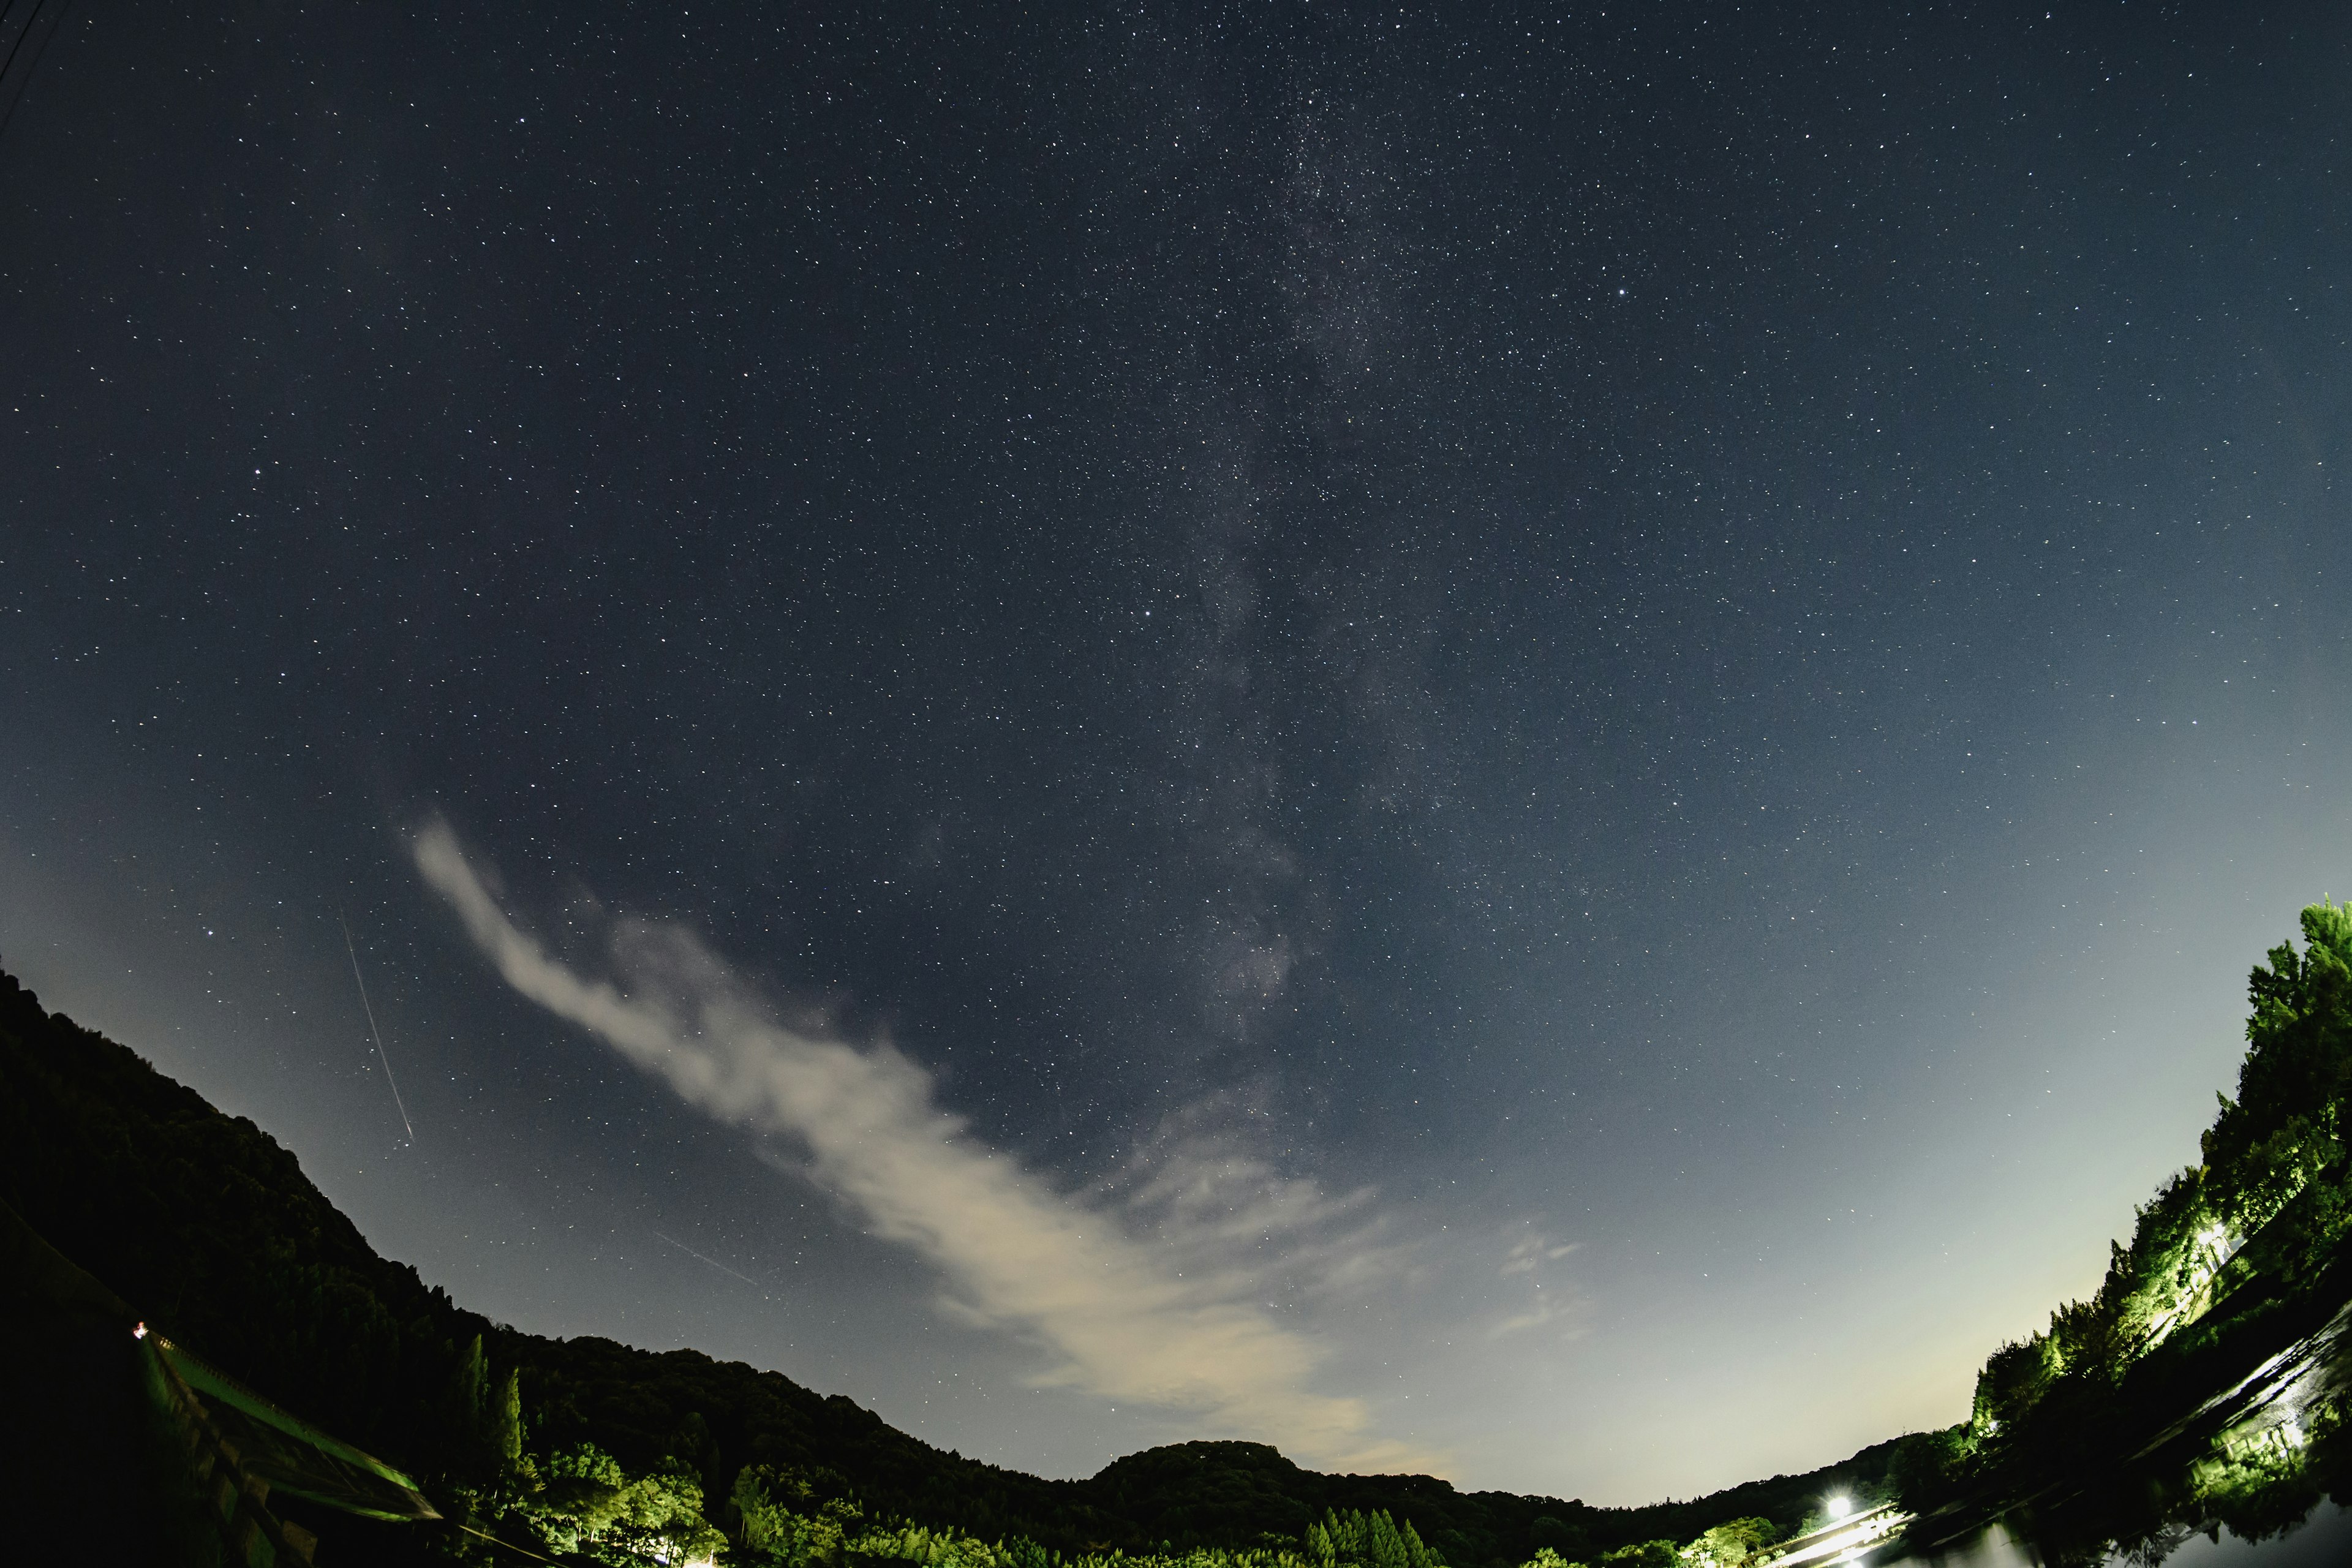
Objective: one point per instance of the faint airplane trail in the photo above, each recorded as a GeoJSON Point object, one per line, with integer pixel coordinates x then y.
{"type": "Point", "coordinates": [713, 1262]}
{"type": "Point", "coordinates": [373, 1032]}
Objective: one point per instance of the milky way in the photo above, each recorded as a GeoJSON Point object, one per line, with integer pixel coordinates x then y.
{"type": "Point", "coordinates": [1566, 733]}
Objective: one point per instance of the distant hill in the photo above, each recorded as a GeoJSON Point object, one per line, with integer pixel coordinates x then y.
{"type": "Point", "coordinates": [204, 1225]}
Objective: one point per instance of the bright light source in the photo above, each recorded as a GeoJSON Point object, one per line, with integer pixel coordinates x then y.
{"type": "Point", "coordinates": [140, 1332]}
{"type": "Point", "coordinates": [1840, 1507]}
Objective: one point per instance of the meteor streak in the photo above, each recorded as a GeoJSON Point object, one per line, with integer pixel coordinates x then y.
{"type": "Point", "coordinates": [713, 1262]}
{"type": "Point", "coordinates": [373, 1032]}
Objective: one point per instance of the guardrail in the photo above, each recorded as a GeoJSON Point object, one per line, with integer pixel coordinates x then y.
{"type": "Point", "coordinates": [236, 1500]}
{"type": "Point", "coordinates": [1853, 1534]}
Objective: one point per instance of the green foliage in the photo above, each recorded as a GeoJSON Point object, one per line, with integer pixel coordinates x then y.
{"type": "Point", "coordinates": [1929, 1469]}
{"type": "Point", "coordinates": [943, 1548]}
{"type": "Point", "coordinates": [591, 1506]}
{"type": "Point", "coordinates": [1641, 1555]}
{"type": "Point", "coordinates": [1635, 1554]}
{"type": "Point", "coordinates": [1366, 1541]}
{"type": "Point", "coordinates": [510, 1419]}
{"type": "Point", "coordinates": [784, 1519]}
{"type": "Point", "coordinates": [2012, 1382]}
{"type": "Point", "coordinates": [1729, 1545]}
{"type": "Point", "coordinates": [2214, 1254]}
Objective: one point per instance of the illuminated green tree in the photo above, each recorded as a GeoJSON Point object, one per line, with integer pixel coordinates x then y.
{"type": "Point", "coordinates": [1642, 1554]}
{"type": "Point", "coordinates": [509, 1420]}
{"type": "Point", "coordinates": [1731, 1545]}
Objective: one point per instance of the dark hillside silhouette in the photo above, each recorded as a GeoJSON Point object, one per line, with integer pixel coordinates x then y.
{"type": "Point", "coordinates": [208, 1227]}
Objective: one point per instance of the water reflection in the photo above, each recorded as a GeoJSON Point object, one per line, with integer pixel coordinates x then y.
{"type": "Point", "coordinates": [2246, 1477]}
{"type": "Point", "coordinates": [2322, 1540]}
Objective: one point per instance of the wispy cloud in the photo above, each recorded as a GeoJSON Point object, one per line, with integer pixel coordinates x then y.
{"type": "Point", "coordinates": [1122, 1317]}
{"type": "Point", "coordinates": [1527, 1257]}
{"type": "Point", "coordinates": [1533, 1253]}
{"type": "Point", "coordinates": [1519, 1323]}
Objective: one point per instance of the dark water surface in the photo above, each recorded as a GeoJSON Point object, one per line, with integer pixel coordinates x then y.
{"type": "Point", "coordinates": [2322, 1540]}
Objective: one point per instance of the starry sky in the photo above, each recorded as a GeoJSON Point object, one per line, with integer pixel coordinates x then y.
{"type": "Point", "coordinates": [1543, 742]}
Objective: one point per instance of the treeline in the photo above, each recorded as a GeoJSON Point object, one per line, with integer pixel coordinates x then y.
{"type": "Point", "coordinates": [581, 1503]}
{"type": "Point", "coordinates": [211, 1231]}
{"type": "Point", "coordinates": [2232, 1259]}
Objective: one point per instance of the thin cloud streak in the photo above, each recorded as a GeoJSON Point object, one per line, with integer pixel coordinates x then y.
{"type": "Point", "coordinates": [1118, 1317]}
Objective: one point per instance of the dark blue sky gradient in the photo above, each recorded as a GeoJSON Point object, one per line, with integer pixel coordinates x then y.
{"type": "Point", "coordinates": [1687, 648]}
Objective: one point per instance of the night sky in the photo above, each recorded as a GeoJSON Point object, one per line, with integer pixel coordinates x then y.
{"type": "Point", "coordinates": [1544, 743]}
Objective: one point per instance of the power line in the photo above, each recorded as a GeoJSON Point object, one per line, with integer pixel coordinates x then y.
{"type": "Point", "coordinates": [32, 61]}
